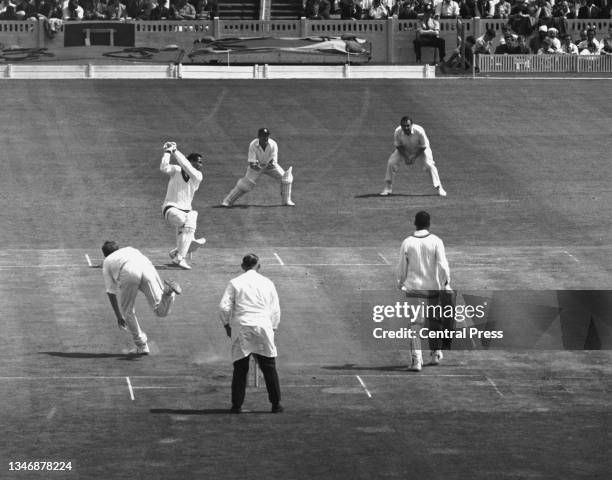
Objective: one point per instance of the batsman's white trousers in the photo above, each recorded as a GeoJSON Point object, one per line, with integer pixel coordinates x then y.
{"type": "Point", "coordinates": [425, 160]}
{"type": "Point", "coordinates": [179, 219]}
{"type": "Point", "coordinates": [143, 278]}
{"type": "Point", "coordinates": [416, 298]}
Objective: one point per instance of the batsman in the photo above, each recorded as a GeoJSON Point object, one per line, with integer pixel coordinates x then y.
{"type": "Point", "coordinates": [263, 158]}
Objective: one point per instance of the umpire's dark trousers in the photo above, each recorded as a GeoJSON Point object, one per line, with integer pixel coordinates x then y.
{"type": "Point", "coordinates": [267, 366]}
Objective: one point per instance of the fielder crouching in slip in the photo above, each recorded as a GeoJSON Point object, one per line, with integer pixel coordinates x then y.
{"type": "Point", "coordinates": [263, 158]}
{"type": "Point", "coordinates": [422, 273]}
{"type": "Point", "coordinates": [411, 146]}
{"type": "Point", "coordinates": [250, 313]}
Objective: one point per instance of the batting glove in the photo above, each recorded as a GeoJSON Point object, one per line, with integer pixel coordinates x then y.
{"type": "Point", "coordinates": [169, 147]}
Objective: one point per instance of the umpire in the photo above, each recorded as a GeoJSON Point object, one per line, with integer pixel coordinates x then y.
{"type": "Point", "coordinates": [250, 313]}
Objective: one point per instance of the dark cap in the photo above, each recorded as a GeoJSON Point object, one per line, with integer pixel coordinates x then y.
{"type": "Point", "coordinates": [428, 8]}
{"type": "Point", "coordinates": [263, 131]}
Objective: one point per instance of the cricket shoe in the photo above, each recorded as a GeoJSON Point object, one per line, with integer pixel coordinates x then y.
{"type": "Point", "coordinates": [441, 191]}
{"type": "Point", "coordinates": [277, 408]}
{"type": "Point", "coordinates": [181, 264]}
{"type": "Point", "coordinates": [386, 191]}
{"type": "Point", "coordinates": [225, 203]}
{"type": "Point", "coordinates": [195, 244]}
{"type": "Point", "coordinates": [289, 203]}
{"type": "Point", "coordinates": [173, 286]}
{"type": "Point", "coordinates": [140, 350]}
{"type": "Point", "coordinates": [173, 253]}
{"type": "Point", "coordinates": [416, 365]}
{"type": "Point", "coordinates": [436, 357]}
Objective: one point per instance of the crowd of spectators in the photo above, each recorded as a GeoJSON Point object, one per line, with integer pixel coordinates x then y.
{"type": "Point", "coordinates": [64, 10]}
{"type": "Point", "coordinates": [523, 15]}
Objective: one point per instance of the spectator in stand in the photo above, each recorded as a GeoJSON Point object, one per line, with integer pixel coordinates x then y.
{"type": "Point", "coordinates": [590, 39]}
{"type": "Point", "coordinates": [522, 18]}
{"type": "Point", "coordinates": [545, 47]}
{"type": "Point", "coordinates": [588, 10]}
{"type": "Point", "coordinates": [457, 59]}
{"type": "Point", "coordinates": [485, 8]}
{"type": "Point", "coordinates": [591, 49]}
{"type": "Point", "coordinates": [185, 10]}
{"type": "Point", "coordinates": [553, 35]}
{"type": "Point", "coordinates": [162, 11]}
{"type": "Point", "coordinates": [75, 10]}
{"type": "Point", "coordinates": [428, 35]}
{"type": "Point", "coordinates": [467, 8]}
{"type": "Point", "coordinates": [537, 42]}
{"type": "Point", "coordinates": [311, 9]}
{"type": "Point", "coordinates": [561, 9]}
{"type": "Point", "coordinates": [607, 43]}
{"type": "Point", "coordinates": [543, 12]}
{"type": "Point", "coordinates": [8, 10]}
{"type": "Point", "coordinates": [115, 10]}
{"type": "Point", "coordinates": [521, 46]}
{"type": "Point", "coordinates": [378, 11]}
{"type": "Point", "coordinates": [26, 10]}
{"type": "Point", "coordinates": [502, 9]}
{"type": "Point", "coordinates": [606, 11]}
{"type": "Point", "coordinates": [446, 9]}
{"type": "Point", "coordinates": [350, 10]}
{"type": "Point", "coordinates": [508, 46]}
{"type": "Point", "coordinates": [567, 46]}
{"type": "Point", "coordinates": [324, 10]}
{"type": "Point", "coordinates": [484, 43]}
{"type": "Point", "coordinates": [136, 9]}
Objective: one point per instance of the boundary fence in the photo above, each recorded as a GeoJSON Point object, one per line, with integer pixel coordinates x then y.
{"type": "Point", "coordinates": [392, 39]}
{"type": "Point", "coordinates": [180, 71]}
{"type": "Point", "coordinates": [545, 63]}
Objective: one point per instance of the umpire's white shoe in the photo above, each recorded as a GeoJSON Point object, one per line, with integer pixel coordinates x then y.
{"type": "Point", "coordinates": [181, 263]}
{"type": "Point", "coordinates": [436, 357]}
{"type": "Point", "coordinates": [416, 365]}
{"type": "Point", "coordinates": [140, 350]}
{"type": "Point", "coordinates": [289, 203]}
{"type": "Point", "coordinates": [386, 191]}
{"type": "Point", "coordinates": [441, 191]}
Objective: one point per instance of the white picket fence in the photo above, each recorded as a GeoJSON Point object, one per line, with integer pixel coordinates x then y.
{"type": "Point", "coordinates": [554, 63]}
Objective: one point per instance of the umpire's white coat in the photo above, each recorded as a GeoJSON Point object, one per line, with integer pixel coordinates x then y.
{"type": "Point", "coordinates": [250, 307]}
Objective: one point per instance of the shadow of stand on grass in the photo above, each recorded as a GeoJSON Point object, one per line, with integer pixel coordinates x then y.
{"type": "Point", "coordinates": [204, 411]}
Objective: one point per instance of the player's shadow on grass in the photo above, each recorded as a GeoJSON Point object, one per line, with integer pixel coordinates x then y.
{"type": "Point", "coordinates": [378, 195]}
{"type": "Point", "coordinates": [120, 356]}
{"type": "Point", "coordinates": [204, 411]}
{"type": "Point", "coordinates": [352, 366]}
{"type": "Point", "coordinates": [245, 206]}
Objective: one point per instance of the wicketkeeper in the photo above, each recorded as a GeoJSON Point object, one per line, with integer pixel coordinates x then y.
{"type": "Point", "coordinates": [263, 158]}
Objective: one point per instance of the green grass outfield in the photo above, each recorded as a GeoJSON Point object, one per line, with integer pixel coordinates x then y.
{"type": "Point", "coordinates": [526, 167]}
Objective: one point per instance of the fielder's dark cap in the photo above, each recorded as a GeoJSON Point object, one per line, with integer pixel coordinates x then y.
{"type": "Point", "coordinates": [263, 131]}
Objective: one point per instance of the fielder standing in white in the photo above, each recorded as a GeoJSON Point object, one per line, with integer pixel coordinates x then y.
{"type": "Point", "coordinates": [411, 145]}
{"type": "Point", "coordinates": [127, 271]}
{"type": "Point", "coordinates": [185, 179]}
{"type": "Point", "coordinates": [263, 158]}
{"type": "Point", "coordinates": [422, 272]}
{"type": "Point", "coordinates": [250, 313]}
